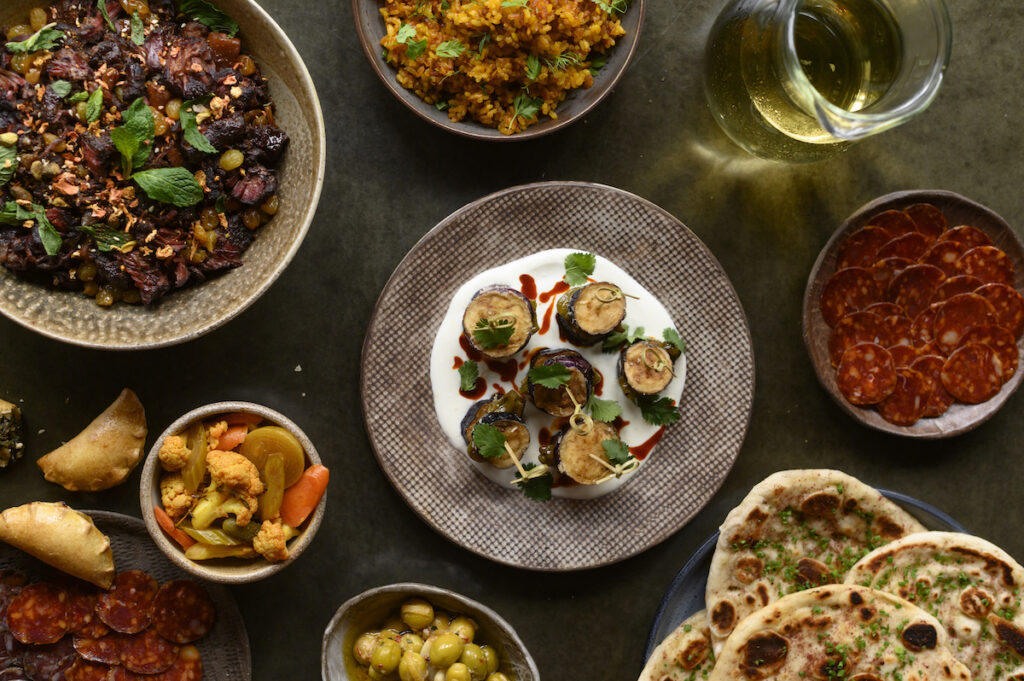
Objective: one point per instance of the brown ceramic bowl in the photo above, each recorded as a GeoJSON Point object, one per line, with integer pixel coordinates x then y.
{"type": "Point", "coordinates": [227, 570]}
{"type": "Point", "coordinates": [577, 104]}
{"type": "Point", "coordinates": [958, 210]}
{"type": "Point", "coordinates": [189, 313]}
{"type": "Point", "coordinates": [368, 610]}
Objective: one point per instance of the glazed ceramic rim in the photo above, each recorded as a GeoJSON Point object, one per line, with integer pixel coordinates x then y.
{"type": "Point", "coordinates": [149, 493]}
{"type": "Point", "coordinates": [319, 131]}
{"type": "Point", "coordinates": [426, 591]}
{"type": "Point", "coordinates": [470, 128]}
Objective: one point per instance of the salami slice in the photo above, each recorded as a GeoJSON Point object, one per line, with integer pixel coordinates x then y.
{"type": "Point", "coordinates": [944, 255]}
{"type": "Point", "coordinates": [48, 662]}
{"type": "Point", "coordinates": [38, 614]}
{"type": "Point", "coordinates": [849, 290]}
{"type": "Point", "coordinates": [903, 355]}
{"type": "Point", "coordinates": [106, 649]}
{"type": "Point", "coordinates": [973, 374]}
{"type": "Point", "coordinates": [885, 270]}
{"type": "Point", "coordinates": [906, 405]}
{"type": "Point", "coordinates": [987, 263]}
{"type": "Point", "coordinates": [1008, 304]}
{"type": "Point", "coordinates": [94, 629]}
{"type": "Point", "coordinates": [128, 606]}
{"type": "Point", "coordinates": [928, 219]}
{"type": "Point", "coordinates": [866, 374]}
{"type": "Point", "coordinates": [81, 607]}
{"type": "Point", "coordinates": [896, 222]}
{"type": "Point", "coordinates": [939, 400]}
{"type": "Point", "coordinates": [913, 288]}
{"type": "Point", "coordinates": [911, 246]}
{"type": "Point", "coordinates": [923, 326]}
{"type": "Point", "coordinates": [84, 670]}
{"type": "Point", "coordinates": [147, 653]}
{"type": "Point", "coordinates": [11, 583]}
{"type": "Point", "coordinates": [957, 316]}
{"type": "Point", "coordinates": [1000, 340]}
{"type": "Point", "coordinates": [855, 328]}
{"type": "Point", "coordinates": [884, 310]}
{"type": "Point", "coordinates": [900, 330]}
{"type": "Point", "coordinates": [966, 235]}
{"type": "Point", "coordinates": [952, 286]}
{"type": "Point", "coordinates": [183, 612]}
{"type": "Point", "coordinates": [860, 248]}
{"type": "Point", "coordinates": [188, 667]}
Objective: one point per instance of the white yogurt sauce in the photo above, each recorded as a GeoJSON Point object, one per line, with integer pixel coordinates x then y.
{"type": "Point", "coordinates": [546, 268]}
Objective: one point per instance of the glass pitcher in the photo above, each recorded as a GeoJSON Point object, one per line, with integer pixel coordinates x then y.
{"type": "Point", "coordinates": [799, 80]}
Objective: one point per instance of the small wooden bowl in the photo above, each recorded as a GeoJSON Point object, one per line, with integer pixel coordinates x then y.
{"type": "Point", "coordinates": [958, 210]}
{"type": "Point", "coordinates": [227, 570]}
{"type": "Point", "coordinates": [368, 610]}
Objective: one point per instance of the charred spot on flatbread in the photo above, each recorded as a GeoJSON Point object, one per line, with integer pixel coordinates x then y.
{"type": "Point", "coordinates": [992, 563]}
{"type": "Point", "coordinates": [820, 504]}
{"type": "Point", "coordinates": [748, 569]}
{"type": "Point", "coordinates": [866, 676]}
{"type": "Point", "coordinates": [867, 613]}
{"type": "Point", "coordinates": [856, 598]}
{"type": "Point", "coordinates": [762, 593]}
{"type": "Point", "coordinates": [694, 655]}
{"type": "Point", "coordinates": [889, 528]}
{"type": "Point", "coordinates": [756, 516]}
{"type": "Point", "coordinates": [919, 636]}
{"type": "Point", "coordinates": [1008, 633]}
{"type": "Point", "coordinates": [812, 572]}
{"type": "Point", "coordinates": [763, 654]}
{"type": "Point", "coordinates": [723, 616]}
{"type": "Point", "coordinates": [976, 603]}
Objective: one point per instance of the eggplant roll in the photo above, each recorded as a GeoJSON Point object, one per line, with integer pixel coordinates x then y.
{"type": "Point", "coordinates": [556, 401]}
{"type": "Point", "coordinates": [573, 452]}
{"type": "Point", "coordinates": [504, 412]}
{"type": "Point", "coordinates": [496, 307]}
{"type": "Point", "coordinates": [646, 367]}
{"type": "Point", "coordinates": [589, 313]}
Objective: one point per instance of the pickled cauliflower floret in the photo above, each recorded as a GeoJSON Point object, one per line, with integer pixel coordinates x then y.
{"type": "Point", "coordinates": [215, 432]}
{"type": "Point", "coordinates": [173, 495]}
{"type": "Point", "coordinates": [270, 541]}
{"type": "Point", "coordinates": [174, 453]}
{"type": "Point", "coordinates": [236, 473]}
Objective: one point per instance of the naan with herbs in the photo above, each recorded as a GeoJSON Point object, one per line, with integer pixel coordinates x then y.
{"type": "Point", "coordinates": [684, 655]}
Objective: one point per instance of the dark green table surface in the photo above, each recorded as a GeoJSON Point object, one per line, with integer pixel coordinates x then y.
{"type": "Point", "coordinates": [391, 177]}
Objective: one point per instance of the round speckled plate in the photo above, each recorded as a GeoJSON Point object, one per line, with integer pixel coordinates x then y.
{"type": "Point", "coordinates": [694, 456]}
{"type": "Point", "coordinates": [189, 313]}
{"type": "Point", "coordinates": [224, 651]}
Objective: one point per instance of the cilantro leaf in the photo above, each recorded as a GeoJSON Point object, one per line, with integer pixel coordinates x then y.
{"type": "Point", "coordinates": [209, 16]}
{"type": "Point", "coordinates": [44, 39]}
{"type": "Point", "coordinates": [515, 3]}
{"type": "Point", "coordinates": [414, 49]}
{"type": "Point", "coordinates": [526, 106]}
{"type": "Point", "coordinates": [107, 238]}
{"type": "Point", "coordinates": [672, 337]}
{"type": "Point", "coordinates": [533, 67]}
{"type": "Point", "coordinates": [597, 63]}
{"type": "Point", "coordinates": [658, 411]}
{"type": "Point", "coordinates": [450, 49]}
{"type": "Point", "coordinates": [469, 372]}
{"type": "Point", "coordinates": [604, 410]}
{"type": "Point", "coordinates": [612, 6]}
{"type": "Point", "coordinates": [15, 214]}
{"type": "Point", "coordinates": [550, 375]}
{"type": "Point", "coordinates": [539, 488]}
{"type": "Point", "coordinates": [490, 333]}
{"type": "Point", "coordinates": [405, 33]}
{"type": "Point", "coordinates": [175, 186]}
{"type": "Point", "coordinates": [616, 451]}
{"type": "Point", "coordinates": [441, 106]}
{"type": "Point", "coordinates": [102, 4]}
{"type": "Point", "coordinates": [61, 87]}
{"type": "Point", "coordinates": [138, 30]}
{"type": "Point", "coordinates": [489, 441]}
{"type": "Point", "coordinates": [94, 106]}
{"type": "Point", "coordinates": [8, 162]}
{"type": "Point", "coordinates": [579, 266]}
{"type": "Point", "coordinates": [190, 127]}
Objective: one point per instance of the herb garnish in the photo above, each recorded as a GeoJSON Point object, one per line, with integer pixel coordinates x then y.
{"type": "Point", "coordinates": [612, 6]}
{"type": "Point", "coordinates": [537, 488]}
{"type": "Point", "coordinates": [405, 31]}
{"type": "Point", "coordinates": [616, 451]}
{"type": "Point", "coordinates": [441, 106]}
{"type": "Point", "coordinates": [44, 39]}
{"type": "Point", "coordinates": [8, 159]}
{"type": "Point", "coordinates": [109, 239]}
{"type": "Point", "coordinates": [450, 49]}
{"type": "Point", "coordinates": [613, 342]}
{"type": "Point", "coordinates": [489, 441]}
{"type": "Point", "coordinates": [604, 410]}
{"type": "Point", "coordinates": [526, 106]}
{"type": "Point", "coordinates": [579, 266]}
{"type": "Point", "coordinates": [134, 139]}
{"type": "Point", "coordinates": [515, 3]}
{"type": "Point", "coordinates": [78, 97]}
{"type": "Point", "coordinates": [658, 411]}
{"type": "Point", "coordinates": [175, 186]}
{"type": "Point", "coordinates": [413, 48]}
{"type": "Point", "coordinates": [533, 67]}
{"type": "Point", "coordinates": [209, 16]}
{"type": "Point", "coordinates": [94, 105]}
{"type": "Point", "coordinates": [469, 372]}
{"type": "Point", "coordinates": [563, 60]}
{"type": "Point", "coordinates": [490, 333]}
{"type": "Point", "coordinates": [597, 63]}
{"type": "Point", "coordinates": [672, 337]}
{"type": "Point", "coordinates": [102, 4]}
{"type": "Point", "coordinates": [138, 30]}
{"type": "Point", "coordinates": [16, 214]}
{"type": "Point", "coordinates": [550, 375]}
{"type": "Point", "coordinates": [61, 87]}
{"type": "Point", "coordinates": [190, 128]}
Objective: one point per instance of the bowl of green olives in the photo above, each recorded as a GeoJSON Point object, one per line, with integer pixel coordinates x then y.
{"type": "Point", "coordinates": [417, 632]}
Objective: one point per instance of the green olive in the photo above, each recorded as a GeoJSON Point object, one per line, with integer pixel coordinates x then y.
{"type": "Point", "coordinates": [475, 660]}
{"type": "Point", "coordinates": [375, 675]}
{"type": "Point", "coordinates": [412, 667]}
{"type": "Point", "coordinates": [458, 672]}
{"type": "Point", "coordinates": [491, 655]}
{"type": "Point", "coordinates": [441, 621]}
{"type": "Point", "coordinates": [386, 656]}
{"type": "Point", "coordinates": [445, 650]}
{"type": "Point", "coordinates": [411, 642]}
{"type": "Point", "coordinates": [498, 676]}
{"type": "Point", "coordinates": [417, 613]}
{"type": "Point", "coordinates": [396, 625]}
{"type": "Point", "coordinates": [363, 647]}
{"type": "Point", "coordinates": [464, 628]}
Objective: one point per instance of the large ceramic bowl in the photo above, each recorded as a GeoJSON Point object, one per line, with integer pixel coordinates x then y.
{"type": "Point", "coordinates": [226, 570]}
{"type": "Point", "coordinates": [577, 104]}
{"type": "Point", "coordinates": [367, 611]}
{"type": "Point", "coordinates": [189, 313]}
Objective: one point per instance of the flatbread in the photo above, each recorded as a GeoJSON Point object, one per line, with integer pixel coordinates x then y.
{"type": "Point", "coordinates": [794, 530]}
{"type": "Point", "coordinates": [839, 631]}
{"type": "Point", "coordinates": [684, 655]}
{"type": "Point", "coordinates": [971, 586]}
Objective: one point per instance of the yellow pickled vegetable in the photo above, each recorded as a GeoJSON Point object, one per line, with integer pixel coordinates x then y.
{"type": "Point", "coordinates": [260, 443]}
{"type": "Point", "coordinates": [195, 470]}
{"type": "Point", "coordinates": [273, 476]}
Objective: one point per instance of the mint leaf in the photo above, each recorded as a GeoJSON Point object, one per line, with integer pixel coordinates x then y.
{"type": "Point", "coordinates": [533, 67]}
{"type": "Point", "coordinates": [175, 186]}
{"type": "Point", "coordinates": [469, 372]}
{"type": "Point", "coordinates": [210, 16]}
{"type": "Point", "coordinates": [658, 411]}
{"type": "Point", "coordinates": [8, 162]}
{"type": "Point", "coordinates": [134, 139]}
{"type": "Point", "coordinates": [128, 145]}
{"type": "Point", "coordinates": [102, 4]}
{"type": "Point", "coordinates": [190, 128]}
{"type": "Point", "coordinates": [450, 49]}
{"type": "Point", "coordinates": [579, 266]}
{"type": "Point", "coordinates": [550, 375]}
{"type": "Point", "coordinates": [106, 238]}
{"type": "Point", "coordinates": [138, 30]}
{"type": "Point", "coordinates": [672, 337]}
{"type": "Point", "coordinates": [539, 488]}
{"type": "Point", "coordinates": [15, 214]}
{"type": "Point", "coordinates": [616, 451]}
{"type": "Point", "coordinates": [604, 410]}
{"type": "Point", "coordinates": [94, 107]}
{"type": "Point", "coordinates": [491, 333]}
{"type": "Point", "coordinates": [414, 49]}
{"type": "Point", "coordinates": [61, 87]}
{"type": "Point", "coordinates": [489, 441]}
{"type": "Point", "coordinates": [44, 39]}
{"type": "Point", "coordinates": [78, 97]}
